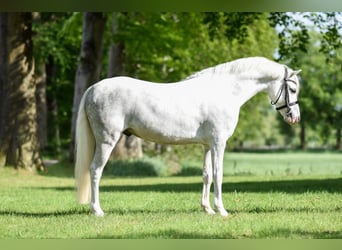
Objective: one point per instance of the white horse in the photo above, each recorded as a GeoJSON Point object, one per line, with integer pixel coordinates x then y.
{"type": "Point", "coordinates": [202, 109]}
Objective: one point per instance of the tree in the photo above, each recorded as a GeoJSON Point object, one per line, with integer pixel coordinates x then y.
{"type": "Point", "coordinates": [320, 97]}
{"type": "Point", "coordinates": [175, 45]}
{"type": "Point", "coordinates": [19, 144]}
{"type": "Point", "coordinates": [259, 40]}
{"type": "Point", "coordinates": [90, 63]}
{"type": "Point", "coordinates": [313, 51]}
{"type": "Point", "coordinates": [127, 146]}
{"type": "Point", "coordinates": [116, 61]}
{"type": "Point", "coordinates": [57, 38]}
{"type": "Point", "coordinates": [40, 78]}
{"type": "Point", "coordinates": [167, 47]}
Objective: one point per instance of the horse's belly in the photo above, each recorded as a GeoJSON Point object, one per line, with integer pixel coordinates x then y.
{"type": "Point", "coordinates": [165, 136]}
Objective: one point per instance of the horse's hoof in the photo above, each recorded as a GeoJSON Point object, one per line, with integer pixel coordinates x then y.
{"type": "Point", "coordinates": [223, 212]}
{"type": "Point", "coordinates": [97, 211]}
{"type": "Point", "coordinates": [208, 210]}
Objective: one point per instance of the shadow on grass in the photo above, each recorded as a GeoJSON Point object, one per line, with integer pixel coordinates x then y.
{"type": "Point", "coordinates": [286, 186]}
{"type": "Point", "coordinates": [167, 234]}
{"type": "Point", "coordinates": [232, 212]}
{"type": "Point", "coordinates": [290, 233]}
{"type": "Point", "coordinates": [178, 234]}
{"type": "Point", "coordinates": [84, 210]}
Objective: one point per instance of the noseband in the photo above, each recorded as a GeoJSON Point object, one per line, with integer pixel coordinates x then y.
{"type": "Point", "coordinates": [287, 104]}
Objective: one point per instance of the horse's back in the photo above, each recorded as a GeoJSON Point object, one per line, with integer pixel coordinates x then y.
{"type": "Point", "coordinates": [157, 112]}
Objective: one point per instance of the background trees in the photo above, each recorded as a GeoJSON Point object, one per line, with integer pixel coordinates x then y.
{"type": "Point", "coordinates": [89, 65]}
{"type": "Point", "coordinates": [19, 145]}
{"type": "Point", "coordinates": [70, 51]}
{"type": "Point", "coordinates": [312, 42]}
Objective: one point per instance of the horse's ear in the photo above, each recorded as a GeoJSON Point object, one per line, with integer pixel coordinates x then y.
{"type": "Point", "coordinates": [296, 72]}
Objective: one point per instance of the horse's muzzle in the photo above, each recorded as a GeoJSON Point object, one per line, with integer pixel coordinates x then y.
{"type": "Point", "coordinates": [292, 120]}
{"type": "Point", "coordinates": [292, 115]}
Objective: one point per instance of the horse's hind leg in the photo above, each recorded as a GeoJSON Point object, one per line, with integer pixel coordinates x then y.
{"type": "Point", "coordinates": [102, 153]}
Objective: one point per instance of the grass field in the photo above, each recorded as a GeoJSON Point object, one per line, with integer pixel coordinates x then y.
{"type": "Point", "coordinates": [268, 195]}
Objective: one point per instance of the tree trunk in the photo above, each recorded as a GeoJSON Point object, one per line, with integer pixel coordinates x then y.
{"type": "Point", "coordinates": [302, 136]}
{"type": "Point", "coordinates": [128, 146]}
{"type": "Point", "coordinates": [52, 105]}
{"type": "Point", "coordinates": [40, 79]}
{"type": "Point", "coordinates": [41, 98]}
{"type": "Point", "coordinates": [116, 61]}
{"type": "Point", "coordinates": [90, 62]}
{"type": "Point", "coordinates": [3, 86]}
{"type": "Point", "coordinates": [338, 145]}
{"type": "Point", "coordinates": [19, 140]}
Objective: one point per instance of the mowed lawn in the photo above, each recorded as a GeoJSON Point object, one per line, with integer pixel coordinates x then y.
{"type": "Point", "coordinates": [268, 195]}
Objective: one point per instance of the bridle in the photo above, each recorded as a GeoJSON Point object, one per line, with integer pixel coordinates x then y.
{"type": "Point", "coordinates": [287, 104]}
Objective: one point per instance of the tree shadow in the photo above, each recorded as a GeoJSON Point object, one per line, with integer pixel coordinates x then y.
{"type": "Point", "coordinates": [146, 211]}
{"type": "Point", "coordinates": [289, 233]}
{"type": "Point", "coordinates": [272, 233]}
{"type": "Point", "coordinates": [45, 214]}
{"type": "Point", "coordinates": [286, 186]}
{"type": "Point", "coordinates": [167, 234]}
{"type": "Point", "coordinates": [232, 212]}
{"type": "Point", "coordinates": [332, 185]}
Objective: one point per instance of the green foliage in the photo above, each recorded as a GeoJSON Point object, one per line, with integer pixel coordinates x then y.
{"type": "Point", "coordinates": [57, 42]}
{"type": "Point", "coordinates": [179, 44]}
{"type": "Point", "coordinates": [167, 47]}
{"type": "Point", "coordinates": [58, 35]}
{"type": "Point", "coordinates": [233, 25]}
{"type": "Point", "coordinates": [293, 32]}
{"type": "Point", "coordinates": [146, 166]}
{"type": "Point", "coordinates": [330, 27]}
{"type": "Point", "coordinates": [321, 90]}
{"type": "Point", "coordinates": [293, 35]}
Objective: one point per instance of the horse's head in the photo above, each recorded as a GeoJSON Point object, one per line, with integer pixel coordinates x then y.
{"type": "Point", "coordinates": [284, 96]}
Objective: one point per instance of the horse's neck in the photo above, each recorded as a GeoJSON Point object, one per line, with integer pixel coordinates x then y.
{"type": "Point", "coordinates": [245, 88]}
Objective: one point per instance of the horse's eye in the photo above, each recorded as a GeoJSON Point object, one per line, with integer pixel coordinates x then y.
{"type": "Point", "coordinates": [293, 90]}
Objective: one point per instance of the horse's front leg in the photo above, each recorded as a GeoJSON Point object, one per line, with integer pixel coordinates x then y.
{"type": "Point", "coordinates": [207, 180]}
{"type": "Point", "coordinates": [217, 153]}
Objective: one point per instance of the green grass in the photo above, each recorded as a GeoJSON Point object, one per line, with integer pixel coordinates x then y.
{"type": "Point", "coordinates": [285, 203]}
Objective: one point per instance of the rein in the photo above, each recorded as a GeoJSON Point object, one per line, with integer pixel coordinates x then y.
{"type": "Point", "coordinates": [287, 104]}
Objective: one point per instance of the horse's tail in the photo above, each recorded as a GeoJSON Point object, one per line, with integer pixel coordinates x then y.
{"type": "Point", "coordinates": [85, 146]}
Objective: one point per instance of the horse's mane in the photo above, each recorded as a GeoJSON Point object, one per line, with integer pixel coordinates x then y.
{"type": "Point", "coordinates": [242, 66]}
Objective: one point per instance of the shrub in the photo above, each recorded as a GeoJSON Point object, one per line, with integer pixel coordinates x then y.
{"type": "Point", "coordinates": [146, 166]}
